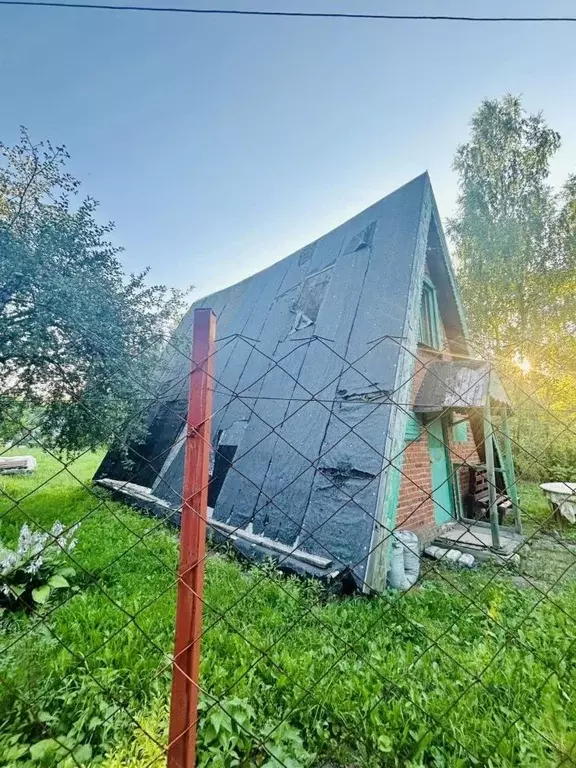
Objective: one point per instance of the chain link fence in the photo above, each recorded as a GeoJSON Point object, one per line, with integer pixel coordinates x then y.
{"type": "Point", "coordinates": [296, 563]}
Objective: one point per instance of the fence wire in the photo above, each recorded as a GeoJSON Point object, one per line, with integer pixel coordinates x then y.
{"type": "Point", "coordinates": [363, 603]}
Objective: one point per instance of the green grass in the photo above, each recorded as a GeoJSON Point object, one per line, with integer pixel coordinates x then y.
{"type": "Point", "coordinates": [469, 669]}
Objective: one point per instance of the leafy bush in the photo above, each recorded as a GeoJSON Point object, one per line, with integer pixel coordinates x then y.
{"type": "Point", "coordinates": [543, 443]}
{"type": "Point", "coordinates": [555, 463]}
{"type": "Point", "coordinates": [228, 737]}
{"type": "Point", "coordinates": [545, 452]}
{"type": "Point", "coordinates": [29, 573]}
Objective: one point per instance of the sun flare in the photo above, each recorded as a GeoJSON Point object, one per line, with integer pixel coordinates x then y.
{"type": "Point", "coordinates": [524, 364]}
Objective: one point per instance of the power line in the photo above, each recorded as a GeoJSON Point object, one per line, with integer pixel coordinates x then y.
{"type": "Point", "coordinates": [292, 14]}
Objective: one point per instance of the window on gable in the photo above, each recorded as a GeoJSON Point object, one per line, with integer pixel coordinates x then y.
{"type": "Point", "coordinates": [429, 317]}
{"type": "Point", "coordinates": [460, 432]}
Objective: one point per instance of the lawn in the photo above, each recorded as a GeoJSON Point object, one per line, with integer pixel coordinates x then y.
{"type": "Point", "coordinates": [469, 669]}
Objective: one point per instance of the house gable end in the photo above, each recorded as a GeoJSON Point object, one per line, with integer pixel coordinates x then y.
{"type": "Point", "coordinates": [441, 273]}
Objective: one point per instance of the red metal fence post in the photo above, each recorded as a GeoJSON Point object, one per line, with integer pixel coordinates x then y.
{"type": "Point", "coordinates": [184, 702]}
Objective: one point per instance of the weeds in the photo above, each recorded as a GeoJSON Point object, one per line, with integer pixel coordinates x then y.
{"type": "Point", "coordinates": [467, 670]}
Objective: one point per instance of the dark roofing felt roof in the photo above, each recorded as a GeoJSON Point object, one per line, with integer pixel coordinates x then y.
{"type": "Point", "coordinates": [349, 287]}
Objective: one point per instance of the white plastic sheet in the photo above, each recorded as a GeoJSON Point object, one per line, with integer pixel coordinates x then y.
{"type": "Point", "coordinates": [563, 497]}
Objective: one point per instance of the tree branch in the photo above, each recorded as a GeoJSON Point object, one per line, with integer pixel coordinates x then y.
{"type": "Point", "coordinates": [25, 191]}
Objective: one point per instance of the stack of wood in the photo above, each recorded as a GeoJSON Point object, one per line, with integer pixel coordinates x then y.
{"type": "Point", "coordinates": [17, 465]}
{"type": "Point", "coordinates": [478, 499]}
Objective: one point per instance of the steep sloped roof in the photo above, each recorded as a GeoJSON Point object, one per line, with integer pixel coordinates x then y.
{"type": "Point", "coordinates": [291, 332]}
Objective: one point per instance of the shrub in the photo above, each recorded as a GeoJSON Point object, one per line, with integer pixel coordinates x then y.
{"type": "Point", "coordinates": [229, 736]}
{"type": "Point", "coordinates": [29, 573]}
{"type": "Point", "coordinates": [544, 444]}
{"type": "Point", "coordinates": [547, 457]}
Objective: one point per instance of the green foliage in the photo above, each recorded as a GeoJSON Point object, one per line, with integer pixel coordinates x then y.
{"type": "Point", "coordinates": [78, 338]}
{"type": "Point", "coordinates": [31, 572]}
{"type": "Point", "coordinates": [543, 442]}
{"type": "Point", "coordinates": [510, 258]}
{"type": "Point", "coordinates": [515, 247]}
{"type": "Point", "coordinates": [77, 702]}
{"type": "Point", "coordinates": [556, 460]}
{"type": "Point", "coordinates": [15, 429]}
{"type": "Point", "coordinates": [229, 737]}
{"type": "Point", "coordinates": [469, 670]}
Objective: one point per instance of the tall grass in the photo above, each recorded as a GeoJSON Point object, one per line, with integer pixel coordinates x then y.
{"type": "Point", "coordinates": [467, 670]}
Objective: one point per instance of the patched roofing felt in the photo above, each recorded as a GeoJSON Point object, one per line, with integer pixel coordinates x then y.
{"type": "Point", "coordinates": [330, 321]}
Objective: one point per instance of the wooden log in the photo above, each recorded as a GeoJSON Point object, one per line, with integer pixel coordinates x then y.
{"type": "Point", "coordinates": [12, 465]}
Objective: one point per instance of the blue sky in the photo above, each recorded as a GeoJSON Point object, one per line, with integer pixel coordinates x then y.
{"type": "Point", "coordinates": [220, 144]}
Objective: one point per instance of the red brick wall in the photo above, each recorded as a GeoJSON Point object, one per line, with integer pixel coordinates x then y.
{"type": "Point", "coordinates": [415, 509]}
{"type": "Point", "coordinates": [464, 452]}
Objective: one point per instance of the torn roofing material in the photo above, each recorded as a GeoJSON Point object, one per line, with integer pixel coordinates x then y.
{"type": "Point", "coordinates": [325, 325]}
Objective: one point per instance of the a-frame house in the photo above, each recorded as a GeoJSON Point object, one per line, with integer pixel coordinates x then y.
{"type": "Point", "coordinates": [348, 404]}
